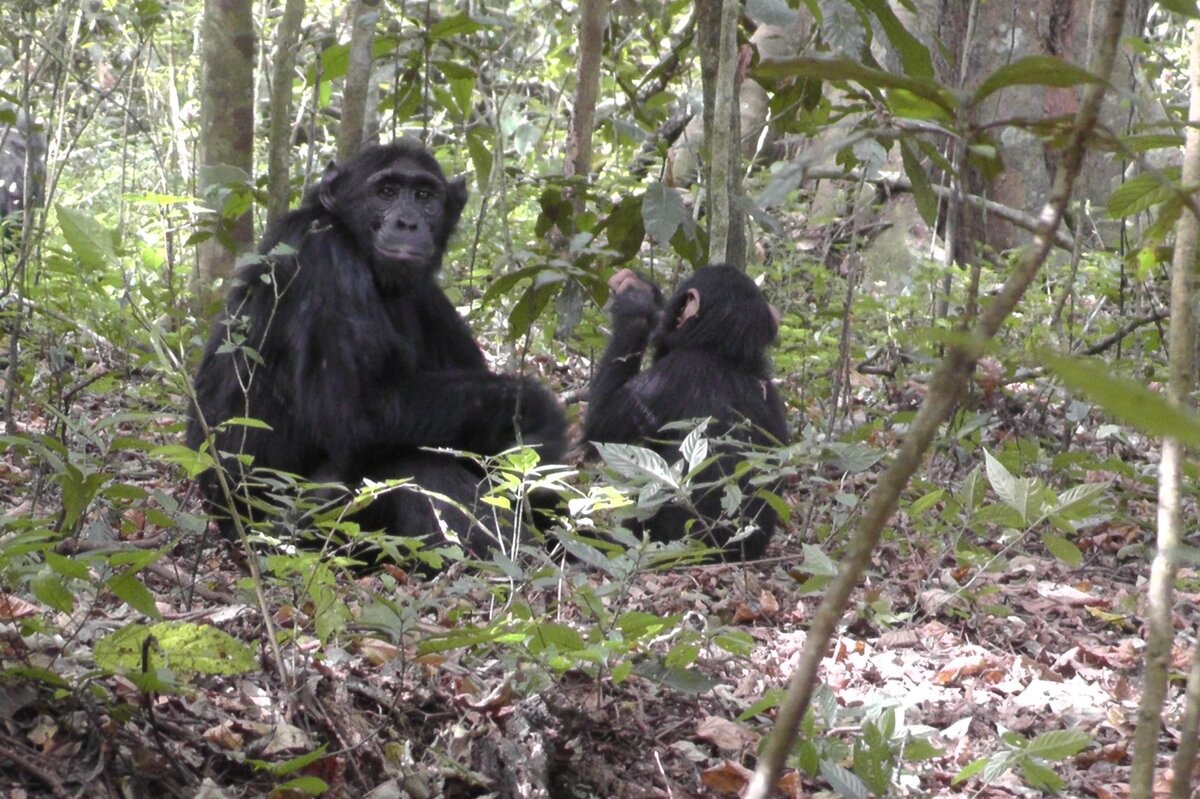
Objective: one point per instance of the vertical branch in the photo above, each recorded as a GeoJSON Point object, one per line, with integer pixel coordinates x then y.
{"type": "Point", "coordinates": [593, 17]}
{"type": "Point", "coordinates": [724, 149]}
{"type": "Point", "coordinates": [279, 134]}
{"type": "Point", "coordinates": [364, 15]}
{"type": "Point", "coordinates": [1160, 634]}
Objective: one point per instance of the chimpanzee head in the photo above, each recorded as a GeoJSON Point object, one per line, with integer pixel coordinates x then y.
{"type": "Point", "coordinates": [720, 310]}
{"type": "Point", "coordinates": [400, 209]}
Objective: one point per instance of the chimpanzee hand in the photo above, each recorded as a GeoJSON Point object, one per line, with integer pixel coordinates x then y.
{"type": "Point", "coordinates": [541, 420]}
{"type": "Point", "coordinates": [634, 297]}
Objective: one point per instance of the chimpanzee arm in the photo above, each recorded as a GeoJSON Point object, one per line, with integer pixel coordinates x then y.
{"type": "Point", "coordinates": [616, 410]}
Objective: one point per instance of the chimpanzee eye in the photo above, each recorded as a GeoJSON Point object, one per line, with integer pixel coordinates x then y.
{"type": "Point", "coordinates": [424, 195]}
{"type": "Point", "coordinates": [387, 191]}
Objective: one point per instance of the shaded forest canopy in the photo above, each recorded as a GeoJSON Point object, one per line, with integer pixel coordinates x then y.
{"type": "Point", "coordinates": [975, 224]}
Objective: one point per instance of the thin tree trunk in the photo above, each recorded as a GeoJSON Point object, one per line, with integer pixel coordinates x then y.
{"type": "Point", "coordinates": [727, 240]}
{"type": "Point", "coordinates": [226, 124]}
{"type": "Point", "coordinates": [1160, 634]}
{"type": "Point", "coordinates": [279, 136]}
{"type": "Point", "coordinates": [358, 78]}
{"type": "Point", "coordinates": [948, 385]}
{"type": "Point", "coordinates": [593, 17]}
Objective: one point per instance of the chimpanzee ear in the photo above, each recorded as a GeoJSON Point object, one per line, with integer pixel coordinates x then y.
{"type": "Point", "coordinates": [691, 307]}
{"type": "Point", "coordinates": [456, 200]}
{"type": "Point", "coordinates": [325, 189]}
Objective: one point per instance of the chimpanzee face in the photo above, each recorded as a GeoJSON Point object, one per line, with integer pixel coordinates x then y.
{"type": "Point", "coordinates": [401, 213]}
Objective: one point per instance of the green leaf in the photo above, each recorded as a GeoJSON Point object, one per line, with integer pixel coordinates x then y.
{"type": "Point", "coordinates": [817, 562]}
{"type": "Point", "coordinates": [1186, 8]}
{"type": "Point", "coordinates": [923, 195]}
{"type": "Point", "coordinates": [455, 25]}
{"type": "Point", "coordinates": [914, 56]}
{"type": "Point", "coordinates": [1143, 192]}
{"type": "Point", "coordinates": [478, 141]}
{"type": "Point", "coordinates": [1062, 549]}
{"type": "Point", "coordinates": [129, 589]}
{"type": "Point", "coordinates": [1040, 777]}
{"type": "Point", "coordinates": [559, 636]}
{"type": "Point", "coordinates": [49, 589]}
{"type": "Point", "coordinates": [86, 237]}
{"type": "Point", "coordinates": [632, 462]}
{"type": "Point", "coordinates": [1058, 745]}
{"type": "Point", "coordinates": [181, 646]}
{"type": "Point", "coordinates": [844, 781]}
{"type": "Point", "coordinates": [1127, 400]}
{"type": "Point", "coordinates": [970, 770]}
{"type": "Point", "coordinates": [840, 69]}
{"type": "Point", "coordinates": [662, 212]}
{"type": "Point", "coordinates": [1035, 70]}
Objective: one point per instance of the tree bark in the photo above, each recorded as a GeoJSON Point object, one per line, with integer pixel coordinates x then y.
{"type": "Point", "coordinates": [716, 25]}
{"type": "Point", "coordinates": [279, 136]}
{"type": "Point", "coordinates": [593, 16]}
{"type": "Point", "coordinates": [358, 78]}
{"type": "Point", "coordinates": [1160, 634]}
{"type": "Point", "coordinates": [226, 126]}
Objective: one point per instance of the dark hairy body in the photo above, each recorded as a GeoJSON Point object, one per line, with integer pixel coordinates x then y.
{"type": "Point", "coordinates": [710, 343]}
{"type": "Point", "coordinates": [340, 340]}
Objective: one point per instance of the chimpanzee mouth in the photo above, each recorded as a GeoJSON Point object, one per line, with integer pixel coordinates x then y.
{"type": "Point", "coordinates": [399, 255]}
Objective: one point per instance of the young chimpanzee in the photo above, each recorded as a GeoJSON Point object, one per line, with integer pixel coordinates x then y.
{"type": "Point", "coordinates": [340, 340]}
{"type": "Point", "coordinates": [710, 360]}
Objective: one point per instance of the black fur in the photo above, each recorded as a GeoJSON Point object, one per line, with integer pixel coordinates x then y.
{"type": "Point", "coordinates": [340, 339]}
{"type": "Point", "coordinates": [710, 364]}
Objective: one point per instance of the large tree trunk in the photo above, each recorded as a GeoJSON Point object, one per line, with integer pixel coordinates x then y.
{"type": "Point", "coordinates": [226, 126]}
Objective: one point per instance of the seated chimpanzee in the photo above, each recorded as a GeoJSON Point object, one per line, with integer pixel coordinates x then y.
{"type": "Point", "coordinates": [710, 360]}
{"type": "Point", "coordinates": [20, 142]}
{"type": "Point", "coordinates": [340, 340]}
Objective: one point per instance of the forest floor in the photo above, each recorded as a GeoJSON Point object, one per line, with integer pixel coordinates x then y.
{"type": "Point", "coordinates": [1038, 647]}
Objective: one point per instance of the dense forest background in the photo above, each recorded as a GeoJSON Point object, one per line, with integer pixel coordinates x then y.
{"type": "Point", "coordinates": [977, 221]}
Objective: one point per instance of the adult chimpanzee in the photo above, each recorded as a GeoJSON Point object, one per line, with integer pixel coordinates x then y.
{"type": "Point", "coordinates": [341, 341]}
{"type": "Point", "coordinates": [710, 360]}
{"type": "Point", "coordinates": [19, 142]}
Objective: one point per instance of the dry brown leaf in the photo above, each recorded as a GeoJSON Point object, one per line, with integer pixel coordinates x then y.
{"type": "Point", "coordinates": [959, 667]}
{"type": "Point", "coordinates": [728, 777]}
{"type": "Point", "coordinates": [13, 607]}
{"type": "Point", "coordinates": [225, 736]}
{"type": "Point", "coordinates": [726, 735]}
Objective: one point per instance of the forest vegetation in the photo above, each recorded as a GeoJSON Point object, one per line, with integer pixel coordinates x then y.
{"type": "Point", "coordinates": [966, 561]}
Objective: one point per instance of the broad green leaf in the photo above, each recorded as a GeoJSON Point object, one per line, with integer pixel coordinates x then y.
{"type": "Point", "coordinates": [1040, 777]}
{"type": "Point", "coordinates": [1186, 8]}
{"type": "Point", "coordinates": [49, 589]}
{"type": "Point", "coordinates": [637, 462]}
{"type": "Point", "coordinates": [1126, 399]}
{"type": "Point", "coordinates": [1035, 70]}
{"type": "Point", "coordinates": [456, 25]}
{"type": "Point", "coordinates": [662, 212]}
{"type": "Point", "coordinates": [970, 770]}
{"type": "Point", "coordinates": [1062, 549]}
{"type": "Point", "coordinates": [129, 589]}
{"type": "Point", "coordinates": [1059, 744]}
{"type": "Point", "coordinates": [181, 646]}
{"type": "Point", "coordinates": [923, 194]}
{"type": "Point", "coordinates": [86, 237]}
{"type": "Point", "coordinates": [479, 142]}
{"type": "Point", "coordinates": [817, 562]}
{"type": "Point", "coordinates": [838, 69]}
{"type": "Point", "coordinates": [847, 784]}
{"type": "Point", "coordinates": [694, 447]}
{"type": "Point", "coordinates": [1143, 192]}
{"type": "Point", "coordinates": [553, 635]}
{"type": "Point", "coordinates": [914, 56]}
